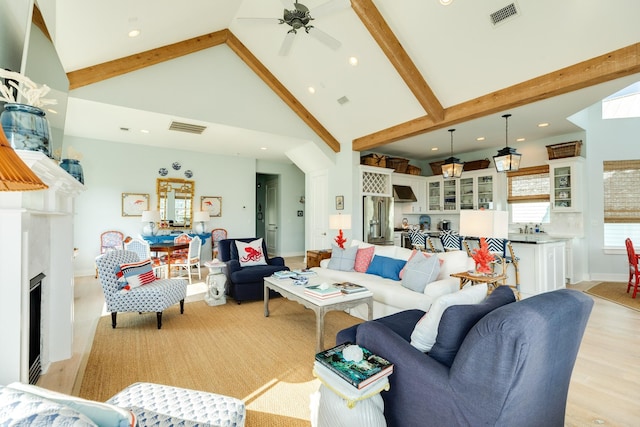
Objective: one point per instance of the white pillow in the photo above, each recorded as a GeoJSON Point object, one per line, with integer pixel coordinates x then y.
{"type": "Point", "coordinates": [250, 253]}
{"type": "Point", "coordinates": [419, 272]}
{"type": "Point", "coordinates": [425, 332]}
{"type": "Point", "coordinates": [343, 259]}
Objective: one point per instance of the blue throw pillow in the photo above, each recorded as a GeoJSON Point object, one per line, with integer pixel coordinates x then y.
{"type": "Point", "coordinates": [386, 267]}
{"type": "Point", "coordinates": [457, 321]}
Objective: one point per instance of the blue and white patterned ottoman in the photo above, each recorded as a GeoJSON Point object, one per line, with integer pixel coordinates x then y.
{"type": "Point", "coordinates": [160, 405]}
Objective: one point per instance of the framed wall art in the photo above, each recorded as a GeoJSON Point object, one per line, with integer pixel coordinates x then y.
{"type": "Point", "coordinates": [211, 204]}
{"type": "Point", "coordinates": [339, 203]}
{"type": "Point", "coordinates": [134, 203]}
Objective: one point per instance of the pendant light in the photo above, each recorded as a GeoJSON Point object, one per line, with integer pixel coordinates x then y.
{"type": "Point", "coordinates": [452, 167]}
{"type": "Point", "coordinates": [507, 158]}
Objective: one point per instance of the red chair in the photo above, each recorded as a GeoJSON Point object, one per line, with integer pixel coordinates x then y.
{"type": "Point", "coordinates": [217, 234]}
{"type": "Point", "coordinates": [634, 275]}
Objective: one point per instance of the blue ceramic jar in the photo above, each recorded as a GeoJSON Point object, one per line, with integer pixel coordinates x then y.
{"type": "Point", "coordinates": [26, 127]}
{"type": "Point", "coordinates": [74, 168]}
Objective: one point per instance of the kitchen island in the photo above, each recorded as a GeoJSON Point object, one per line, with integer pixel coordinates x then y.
{"type": "Point", "coordinates": [541, 263]}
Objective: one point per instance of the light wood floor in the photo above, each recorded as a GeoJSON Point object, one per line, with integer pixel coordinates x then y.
{"type": "Point", "coordinates": [604, 386]}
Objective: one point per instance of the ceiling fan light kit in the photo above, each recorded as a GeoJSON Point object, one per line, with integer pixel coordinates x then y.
{"type": "Point", "coordinates": [507, 158]}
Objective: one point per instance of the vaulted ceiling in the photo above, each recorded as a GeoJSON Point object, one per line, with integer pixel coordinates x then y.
{"type": "Point", "coordinates": [422, 69]}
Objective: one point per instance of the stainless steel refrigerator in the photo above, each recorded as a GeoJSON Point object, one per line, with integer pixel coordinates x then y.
{"type": "Point", "coordinates": [378, 220]}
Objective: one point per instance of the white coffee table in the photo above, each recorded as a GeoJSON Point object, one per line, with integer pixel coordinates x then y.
{"type": "Point", "coordinates": [287, 289]}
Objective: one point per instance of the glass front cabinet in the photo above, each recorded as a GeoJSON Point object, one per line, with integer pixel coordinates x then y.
{"type": "Point", "coordinates": [566, 181]}
{"type": "Point", "coordinates": [477, 190]}
{"type": "Point", "coordinates": [434, 198]}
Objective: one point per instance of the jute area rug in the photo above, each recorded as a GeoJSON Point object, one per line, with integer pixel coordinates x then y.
{"type": "Point", "coordinates": [230, 349]}
{"type": "Point", "coordinates": [616, 292]}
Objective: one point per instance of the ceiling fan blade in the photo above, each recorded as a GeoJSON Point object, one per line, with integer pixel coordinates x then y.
{"type": "Point", "coordinates": [261, 20]}
{"type": "Point", "coordinates": [287, 43]}
{"type": "Point", "coordinates": [329, 7]}
{"type": "Point", "coordinates": [324, 38]}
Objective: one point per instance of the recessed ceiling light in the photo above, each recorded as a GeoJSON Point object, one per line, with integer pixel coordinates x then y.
{"type": "Point", "coordinates": [311, 90]}
{"type": "Point", "coordinates": [134, 33]}
{"type": "Point", "coordinates": [263, 148]}
{"type": "Point", "coordinates": [446, 2]}
{"type": "Point", "coordinates": [480, 138]}
{"type": "Point", "coordinates": [520, 139]}
{"type": "Point", "coordinates": [434, 149]}
{"type": "Point", "coordinates": [144, 131]}
{"type": "Point", "coordinates": [353, 61]}
{"type": "Point", "coordinates": [543, 125]}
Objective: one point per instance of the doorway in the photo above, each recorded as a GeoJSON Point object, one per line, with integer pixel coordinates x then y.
{"type": "Point", "coordinates": [267, 215]}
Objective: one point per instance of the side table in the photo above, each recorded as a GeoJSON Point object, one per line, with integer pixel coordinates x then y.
{"type": "Point", "coordinates": [341, 405]}
{"type": "Point", "coordinates": [216, 283]}
{"type": "Point", "coordinates": [315, 256]}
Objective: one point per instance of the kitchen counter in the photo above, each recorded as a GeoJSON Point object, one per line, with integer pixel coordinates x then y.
{"type": "Point", "coordinates": [536, 239]}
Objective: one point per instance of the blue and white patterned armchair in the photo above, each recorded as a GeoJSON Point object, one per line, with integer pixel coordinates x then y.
{"type": "Point", "coordinates": [154, 297]}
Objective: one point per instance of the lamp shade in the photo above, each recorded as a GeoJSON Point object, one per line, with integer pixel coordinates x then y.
{"type": "Point", "coordinates": [15, 175]}
{"type": "Point", "coordinates": [201, 216]}
{"type": "Point", "coordinates": [150, 216]}
{"type": "Point", "coordinates": [340, 222]}
{"type": "Point", "coordinates": [484, 223]}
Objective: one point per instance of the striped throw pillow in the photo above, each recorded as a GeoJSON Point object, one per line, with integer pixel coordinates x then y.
{"type": "Point", "coordinates": [134, 274]}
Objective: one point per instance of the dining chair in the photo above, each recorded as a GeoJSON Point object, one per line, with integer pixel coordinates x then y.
{"type": "Point", "coordinates": [142, 249]}
{"type": "Point", "coordinates": [217, 234]}
{"type": "Point", "coordinates": [418, 240]}
{"type": "Point", "coordinates": [181, 238]}
{"type": "Point", "coordinates": [451, 240]}
{"type": "Point", "coordinates": [191, 260]}
{"type": "Point", "coordinates": [109, 241]}
{"type": "Point", "coordinates": [634, 274]}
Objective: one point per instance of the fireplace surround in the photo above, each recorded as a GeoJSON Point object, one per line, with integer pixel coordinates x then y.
{"type": "Point", "coordinates": [37, 239]}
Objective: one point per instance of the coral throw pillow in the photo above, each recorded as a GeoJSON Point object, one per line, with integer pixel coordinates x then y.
{"type": "Point", "coordinates": [134, 274]}
{"type": "Point", "coordinates": [363, 259]}
{"type": "Point", "coordinates": [251, 253]}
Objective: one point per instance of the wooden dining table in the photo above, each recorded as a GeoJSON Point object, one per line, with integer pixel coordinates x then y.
{"type": "Point", "coordinates": [168, 248]}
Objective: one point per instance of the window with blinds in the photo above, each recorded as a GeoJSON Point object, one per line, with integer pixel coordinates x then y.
{"type": "Point", "coordinates": [529, 185]}
{"type": "Point", "coordinates": [621, 191]}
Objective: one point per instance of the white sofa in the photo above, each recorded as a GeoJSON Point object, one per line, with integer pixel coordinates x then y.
{"type": "Point", "coordinates": [389, 296]}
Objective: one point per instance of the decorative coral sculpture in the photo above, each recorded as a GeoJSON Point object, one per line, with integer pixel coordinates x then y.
{"type": "Point", "coordinates": [340, 240]}
{"type": "Point", "coordinates": [482, 257]}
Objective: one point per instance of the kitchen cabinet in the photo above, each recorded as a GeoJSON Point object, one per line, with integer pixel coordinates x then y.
{"type": "Point", "coordinates": [419, 186]}
{"type": "Point", "coordinates": [474, 190]}
{"type": "Point", "coordinates": [566, 184]}
{"type": "Point", "coordinates": [477, 190]}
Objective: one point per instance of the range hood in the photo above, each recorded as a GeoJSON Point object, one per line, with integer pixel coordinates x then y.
{"type": "Point", "coordinates": [403, 194]}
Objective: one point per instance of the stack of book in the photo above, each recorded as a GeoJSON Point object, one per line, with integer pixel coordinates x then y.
{"type": "Point", "coordinates": [360, 374]}
{"type": "Point", "coordinates": [321, 292]}
{"type": "Point", "coordinates": [284, 274]}
{"type": "Point", "coordinates": [350, 288]}
{"type": "Point", "coordinates": [305, 272]}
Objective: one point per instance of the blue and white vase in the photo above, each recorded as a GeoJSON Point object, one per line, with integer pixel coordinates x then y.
{"type": "Point", "coordinates": [74, 168]}
{"type": "Point", "coordinates": [26, 127]}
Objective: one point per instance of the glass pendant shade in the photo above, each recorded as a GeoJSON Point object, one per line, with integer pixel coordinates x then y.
{"type": "Point", "coordinates": [452, 167]}
{"type": "Point", "coordinates": [507, 158]}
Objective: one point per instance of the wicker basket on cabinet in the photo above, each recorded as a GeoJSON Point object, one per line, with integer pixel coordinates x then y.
{"type": "Point", "coordinates": [565, 149]}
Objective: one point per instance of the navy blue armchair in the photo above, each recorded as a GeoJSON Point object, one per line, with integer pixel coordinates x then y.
{"type": "Point", "coordinates": [512, 369]}
{"type": "Point", "coordinates": [247, 283]}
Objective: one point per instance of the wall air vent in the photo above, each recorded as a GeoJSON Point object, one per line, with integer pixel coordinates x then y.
{"type": "Point", "coordinates": [187, 127]}
{"type": "Point", "coordinates": [508, 12]}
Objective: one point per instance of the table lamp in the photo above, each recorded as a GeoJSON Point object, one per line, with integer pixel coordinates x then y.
{"type": "Point", "coordinates": [150, 218]}
{"type": "Point", "coordinates": [484, 223]}
{"type": "Point", "coordinates": [340, 222]}
{"type": "Point", "coordinates": [199, 218]}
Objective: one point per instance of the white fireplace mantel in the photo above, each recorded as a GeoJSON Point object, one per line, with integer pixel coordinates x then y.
{"type": "Point", "coordinates": [37, 237]}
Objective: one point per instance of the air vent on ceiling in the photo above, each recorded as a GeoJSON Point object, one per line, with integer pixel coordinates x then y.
{"type": "Point", "coordinates": [187, 127]}
{"type": "Point", "coordinates": [343, 100]}
{"type": "Point", "coordinates": [508, 12]}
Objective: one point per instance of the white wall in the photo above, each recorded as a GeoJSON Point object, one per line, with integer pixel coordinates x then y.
{"type": "Point", "coordinates": [615, 139]}
{"type": "Point", "coordinates": [111, 169]}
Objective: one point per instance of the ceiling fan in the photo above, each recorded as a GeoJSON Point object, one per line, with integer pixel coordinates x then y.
{"type": "Point", "coordinates": [300, 17]}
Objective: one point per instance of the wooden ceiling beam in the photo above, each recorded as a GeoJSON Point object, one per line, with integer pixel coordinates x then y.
{"type": "Point", "coordinates": [118, 67]}
{"type": "Point", "coordinates": [610, 66]}
{"type": "Point", "coordinates": [392, 48]}
{"type": "Point", "coordinates": [279, 89]}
